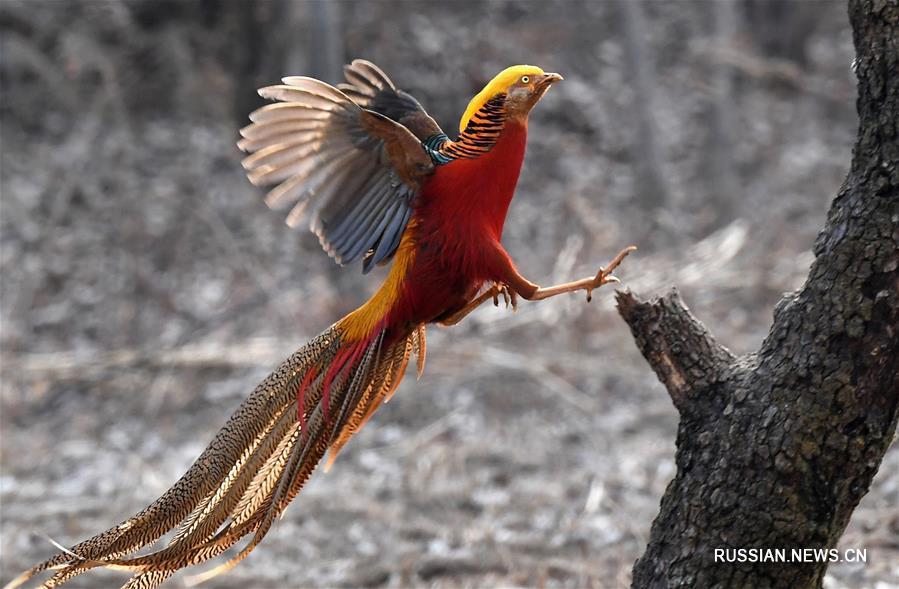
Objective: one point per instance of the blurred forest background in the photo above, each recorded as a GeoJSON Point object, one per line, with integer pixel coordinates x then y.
{"type": "Point", "coordinates": [146, 288]}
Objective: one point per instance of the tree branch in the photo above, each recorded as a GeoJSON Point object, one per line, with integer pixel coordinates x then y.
{"type": "Point", "coordinates": [681, 351]}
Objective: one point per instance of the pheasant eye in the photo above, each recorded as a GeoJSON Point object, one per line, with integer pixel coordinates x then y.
{"type": "Point", "coordinates": [525, 79]}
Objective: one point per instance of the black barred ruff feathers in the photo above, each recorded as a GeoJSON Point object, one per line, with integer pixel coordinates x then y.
{"type": "Point", "coordinates": [480, 134]}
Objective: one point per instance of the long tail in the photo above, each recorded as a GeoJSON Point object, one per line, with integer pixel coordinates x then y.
{"type": "Point", "coordinates": [256, 464]}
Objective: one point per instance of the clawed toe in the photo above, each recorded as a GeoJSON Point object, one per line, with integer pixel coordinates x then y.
{"type": "Point", "coordinates": [509, 295]}
{"type": "Point", "coordinates": [510, 298]}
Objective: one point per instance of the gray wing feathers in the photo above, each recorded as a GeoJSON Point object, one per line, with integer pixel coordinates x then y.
{"type": "Point", "coordinates": [365, 81]}
{"type": "Point", "coordinates": [390, 238]}
{"type": "Point", "coordinates": [370, 88]}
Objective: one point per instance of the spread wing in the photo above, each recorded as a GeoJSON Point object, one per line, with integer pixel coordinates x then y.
{"type": "Point", "coordinates": [369, 87]}
{"type": "Point", "coordinates": [352, 170]}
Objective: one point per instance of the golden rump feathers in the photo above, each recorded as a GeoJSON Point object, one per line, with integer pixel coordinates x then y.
{"type": "Point", "coordinates": [499, 84]}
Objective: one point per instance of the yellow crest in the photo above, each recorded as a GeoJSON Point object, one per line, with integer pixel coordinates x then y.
{"type": "Point", "coordinates": [497, 85]}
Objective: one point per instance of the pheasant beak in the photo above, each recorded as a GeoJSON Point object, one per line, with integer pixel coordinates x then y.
{"type": "Point", "coordinates": [547, 80]}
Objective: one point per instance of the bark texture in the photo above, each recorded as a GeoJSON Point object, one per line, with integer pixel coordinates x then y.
{"type": "Point", "coordinates": [776, 448]}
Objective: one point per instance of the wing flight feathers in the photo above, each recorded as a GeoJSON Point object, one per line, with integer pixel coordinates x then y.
{"type": "Point", "coordinates": [351, 170]}
{"type": "Point", "coordinates": [370, 88]}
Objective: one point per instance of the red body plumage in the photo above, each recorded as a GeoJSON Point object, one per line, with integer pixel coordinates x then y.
{"type": "Point", "coordinates": [451, 248]}
{"type": "Point", "coordinates": [459, 222]}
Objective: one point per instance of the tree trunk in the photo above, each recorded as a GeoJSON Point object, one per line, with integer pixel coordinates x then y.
{"type": "Point", "coordinates": [647, 151]}
{"type": "Point", "coordinates": [721, 172]}
{"type": "Point", "coordinates": [776, 448]}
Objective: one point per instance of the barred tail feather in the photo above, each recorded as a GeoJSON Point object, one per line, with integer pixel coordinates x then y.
{"type": "Point", "coordinates": [256, 464]}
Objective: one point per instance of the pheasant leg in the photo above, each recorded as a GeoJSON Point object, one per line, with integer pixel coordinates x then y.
{"type": "Point", "coordinates": [604, 276]}
{"type": "Point", "coordinates": [494, 292]}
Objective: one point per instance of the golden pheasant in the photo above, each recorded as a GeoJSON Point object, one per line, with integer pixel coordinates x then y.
{"type": "Point", "coordinates": [379, 181]}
